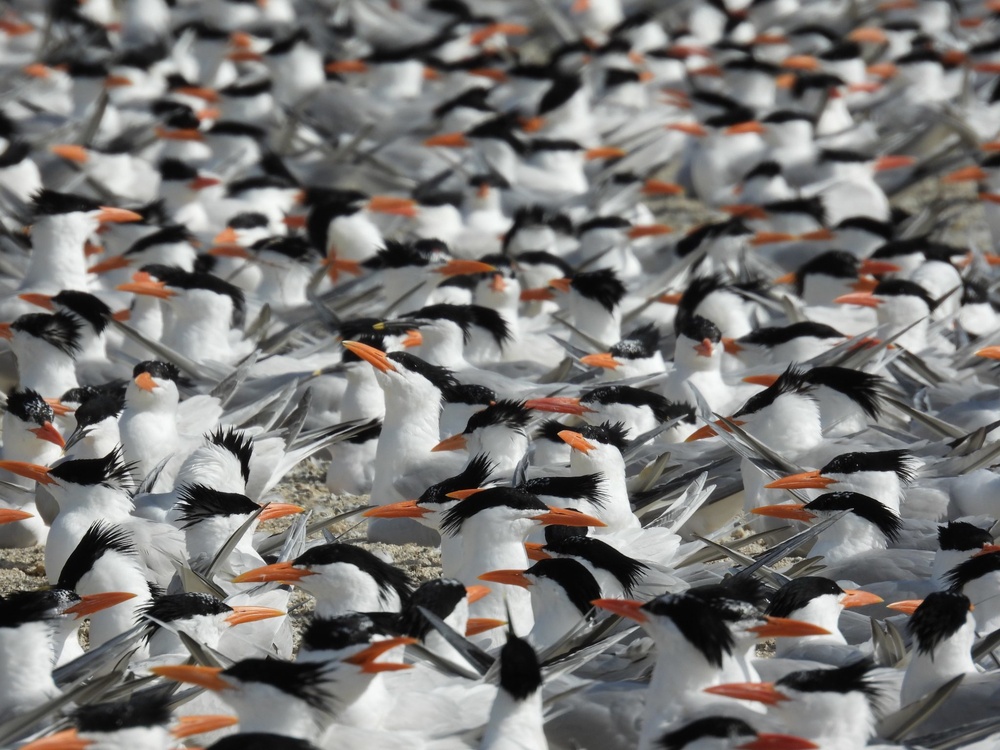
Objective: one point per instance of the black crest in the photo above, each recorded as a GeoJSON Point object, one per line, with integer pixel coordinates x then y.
{"type": "Point", "coordinates": [110, 471]}
{"type": "Point", "coordinates": [141, 710]}
{"type": "Point", "coordinates": [939, 617]}
{"type": "Point", "coordinates": [85, 306]}
{"type": "Point", "coordinates": [710, 727]}
{"type": "Point", "coordinates": [238, 443]}
{"type": "Point", "coordinates": [602, 286]}
{"type": "Point", "coordinates": [29, 406]}
{"type": "Point", "coordinates": [798, 592]}
{"type": "Point", "coordinates": [99, 539]}
{"type": "Point", "coordinates": [493, 497]}
{"type": "Point", "coordinates": [792, 380]}
{"type": "Point", "coordinates": [962, 536]}
{"type": "Point", "coordinates": [579, 583]}
{"type": "Point", "coordinates": [51, 203]}
{"type": "Point", "coordinates": [388, 577]}
{"type": "Point", "coordinates": [198, 502]}
{"type": "Point", "coordinates": [520, 673]}
{"type": "Point", "coordinates": [58, 329]}
{"type": "Point", "coordinates": [307, 681]}
{"type": "Point", "coordinates": [862, 388]}
{"type": "Point", "coordinates": [899, 461]}
{"type": "Point", "coordinates": [973, 568]}
{"type": "Point", "coordinates": [862, 506]}
{"type": "Point", "coordinates": [699, 623]}
{"type": "Point", "coordinates": [511, 414]}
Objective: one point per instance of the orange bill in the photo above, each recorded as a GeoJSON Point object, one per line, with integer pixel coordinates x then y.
{"type": "Point", "coordinates": [576, 441]}
{"type": "Point", "coordinates": [145, 382]}
{"type": "Point", "coordinates": [907, 606]}
{"type": "Point", "coordinates": [279, 510]}
{"type": "Point", "coordinates": [281, 572]}
{"type": "Point", "coordinates": [508, 577]}
{"type": "Point", "coordinates": [807, 480]}
{"type": "Point", "coordinates": [403, 509]}
{"type": "Point", "coordinates": [629, 608]}
{"type": "Point", "coordinates": [603, 359]}
{"type": "Point", "coordinates": [563, 517]}
{"type": "Point", "coordinates": [13, 515]}
{"type": "Point", "coordinates": [244, 614]}
{"type": "Point", "coordinates": [536, 551]}
{"type": "Point", "coordinates": [459, 267]}
{"type": "Point", "coordinates": [375, 357]}
{"type": "Point", "coordinates": [711, 430]}
{"type": "Point", "coordinates": [783, 627]}
{"type": "Point", "coordinates": [453, 443]}
{"type": "Point", "coordinates": [188, 726]}
{"type": "Point", "coordinates": [859, 598]}
{"type": "Point", "coordinates": [207, 677]}
{"type": "Point", "coordinates": [558, 405]}
{"type": "Point", "coordinates": [476, 592]}
{"type": "Point", "coordinates": [761, 692]}
{"type": "Point", "coordinates": [477, 625]}
{"type": "Point", "coordinates": [27, 470]}
{"type": "Point", "coordinates": [49, 433]}
{"type": "Point", "coordinates": [791, 511]}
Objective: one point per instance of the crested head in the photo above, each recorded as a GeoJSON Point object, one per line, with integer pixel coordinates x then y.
{"type": "Point", "coordinates": [901, 462]}
{"type": "Point", "coordinates": [513, 415]}
{"type": "Point", "coordinates": [799, 592]}
{"type": "Point", "coordinates": [239, 443]}
{"type": "Point", "coordinates": [85, 306]}
{"type": "Point", "coordinates": [861, 506]}
{"type": "Point", "coordinates": [579, 583]}
{"type": "Point", "coordinates": [516, 500]}
{"type": "Point", "coordinates": [146, 709]}
{"type": "Point", "coordinates": [602, 286]}
{"type": "Point", "coordinates": [111, 470]}
{"type": "Point", "coordinates": [387, 577]}
{"type": "Point", "coordinates": [940, 616]}
{"type": "Point", "coordinates": [641, 343]}
{"type": "Point", "coordinates": [520, 673]}
{"type": "Point", "coordinates": [99, 539]}
{"type": "Point", "coordinates": [29, 406]}
{"type": "Point", "coordinates": [962, 536]}
{"type": "Point", "coordinates": [59, 329]}
{"type": "Point", "coordinates": [791, 381]}
{"type": "Point", "coordinates": [197, 503]}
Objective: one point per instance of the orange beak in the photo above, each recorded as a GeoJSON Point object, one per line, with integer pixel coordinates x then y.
{"type": "Point", "coordinates": [457, 267]}
{"type": "Point", "coordinates": [710, 430]}
{"type": "Point", "coordinates": [227, 236]}
{"type": "Point", "coordinates": [375, 357]}
{"type": "Point", "coordinates": [229, 251]}
{"type": "Point", "coordinates": [112, 215]}
{"type": "Point", "coordinates": [865, 285]}
{"type": "Point", "coordinates": [858, 598]}
{"type": "Point", "coordinates": [907, 606]}
{"type": "Point", "coordinates": [76, 154]}
{"type": "Point", "coordinates": [35, 472]}
{"type": "Point", "coordinates": [558, 405]}
{"type": "Point", "coordinates": [243, 615]}
{"type": "Point", "coordinates": [604, 152]}
{"type": "Point", "coordinates": [896, 161]}
{"type": "Point", "coordinates": [989, 352]}
{"type": "Point", "coordinates": [649, 230]}
{"type": "Point", "coordinates": [206, 677]}
{"type": "Point", "coordinates": [453, 443]}
{"type": "Point", "coordinates": [282, 572]}
{"type": "Point", "coordinates": [807, 480]}
{"type": "Point", "coordinates": [689, 128]}
{"type": "Point", "coordinates": [92, 603]}
{"type": "Point", "coordinates": [477, 625]}
{"type": "Point", "coordinates": [12, 515]}
{"type": "Point", "coordinates": [745, 211]}
{"type": "Point", "coordinates": [448, 140]}
{"type": "Point", "coordinates": [143, 283]}
{"type": "Point", "coordinates": [869, 34]}
{"type": "Point", "coordinates": [988, 549]}
{"type": "Point", "coordinates": [145, 382]}
{"type": "Point", "coordinates": [761, 692]}
{"type": "Point", "coordinates": [765, 380]}
{"type": "Point", "coordinates": [507, 29]}
{"type": "Point", "coordinates": [338, 67]}
{"type": "Point", "coordinates": [659, 187]}
{"type": "Point", "coordinates": [109, 264]}
{"type": "Point", "coordinates": [476, 592]}
{"type": "Point", "coordinates": [279, 510]}
{"type": "Point", "coordinates": [801, 62]}
{"type": "Point", "coordinates": [966, 174]}
{"type": "Point", "coordinates": [464, 494]}
{"type": "Point", "coordinates": [498, 283]}
{"type": "Point", "coordinates": [704, 349]}
{"type": "Point", "coordinates": [189, 726]}
{"type": "Point", "coordinates": [198, 92]}
{"type": "Point", "coordinates": [508, 577]}
{"type": "Point", "coordinates": [49, 433]}
{"type": "Point", "coordinates": [670, 298]}
{"type": "Point", "coordinates": [536, 295]}
{"type": "Point", "coordinates": [858, 298]}
{"type": "Point", "coordinates": [791, 512]}
{"type": "Point", "coordinates": [782, 627]}
{"type": "Point", "coordinates": [41, 300]}
{"type": "Point", "coordinates": [629, 608]}
{"type": "Point", "coordinates": [387, 204]}
{"type": "Point", "coordinates": [58, 407]}
{"type": "Point", "coordinates": [745, 127]}
{"type": "Point", "coordinates": [771, 238]}
{"type": "Point", "coordinates": [877, 267]}
{"type": "Point", "coordinates": [366, 658]}
{"type": "Point", "coordinates": [413, 338]}
{"type": "Point", "coordinates": [536, 551]}
{"type": "Point", "coordinates": [576, 441]}
{"type": "Point", "coordinates": [604, 359]}
{"type": "Point", "coordinates": [563, 517]}
{"type": "Point", "coordinates": [335, 266]}
{"type": "Point", "coordinates": [563, 285]}
{"type": "Point", "coordinates": [67, 739]}
{"type": "Point", "coordinates": [404, 509]}
{"type": "Point", "coordinates": [771, 741]}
